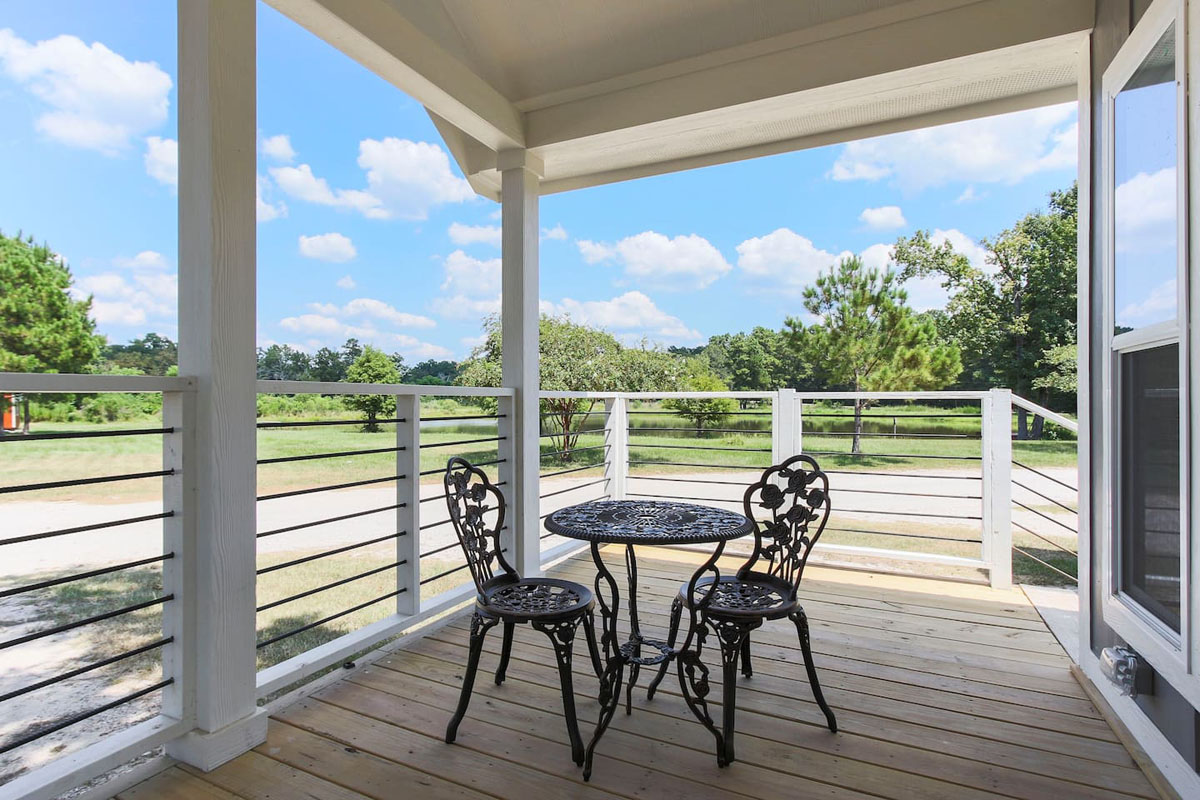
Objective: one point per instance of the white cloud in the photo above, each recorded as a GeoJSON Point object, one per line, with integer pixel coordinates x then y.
{"type": "Point", "coordinates": [299, 182]}
{"type": "Point", "coordinates": [326, 330]}
{"type": "Point", "coordinates": [883, 218]}
{"type": "Point", "coordinates": [96, 99]}
{"type": "Point", "coordinates": [147, 259]}
{"type": "Point", "coordinates": [557, 233]}
{"type": "Point", "coordinates": [346, 282]}
{"type": "Point", "coordinates": [594, 252]}
{"type": "Point", "coordinates": [1145, 212]}
{"type": "Point", "coordinates": [142, 291]}
{"type": "Point", "coordinates": [471, 342]}
{"type": "Point", "coordinates": [784, 260]}
{"type": "Point", "coordinates": [877, 256]}
{"type": "Point", "coordinates": [965, 245]}
{"type": "Point", "coordinates": [278, 148]}
{"type": "Point", "coordinates": [1000, 149]}
{"type": "Point", "coordinates": [650, 258]}
{"type": "Point", "coordinates": [377, 309]}
{"type": "Point", "coordinates": [468, 275]}
{"type": "Point", "coordinates": [968, 195]}
{"type": "Point", "coordinates": [474, 234]}
{"type": "Point", "coordinates": [410, 177]}
{"type": "Point", "coordinates": [1159, 304]}
{"type": "Point", "coordinates": [461, 306]}
{"type": "Point", "coordinates": [265, 211]}
{"type": "Point", "coordinates": [162, 160]}
{"type": "Point", "coordinates": [332, 247]}
{"type": "Point", "coordinates": [632, 316]}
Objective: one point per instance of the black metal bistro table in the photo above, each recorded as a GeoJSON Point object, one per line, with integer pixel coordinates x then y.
{"type": "Point", "coordinates": [645, 522]}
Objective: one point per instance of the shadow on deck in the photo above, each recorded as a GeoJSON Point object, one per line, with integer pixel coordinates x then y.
{"type": "Point", "coordinates": [942, 690]}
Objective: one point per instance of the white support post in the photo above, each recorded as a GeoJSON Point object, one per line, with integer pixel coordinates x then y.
{"type": "Point", "coordinates": [797, 422]}
{"type": "Point", "coordinates": [616, 455]}
{"type": "Point", "coordinates": [217, 168]}
{"type": "Point", "coordinates": [179, 538]}
{"type": "Point", "coordinates": [784, 434]}
{"type": "Point", "coordinates": [506, 452]}
{"type": "Point", "coordinates": [519, 319]}
{"type": "Point", "coordinates": [996, 424]}
{"type": "Point", "coordinates": [408, 497]}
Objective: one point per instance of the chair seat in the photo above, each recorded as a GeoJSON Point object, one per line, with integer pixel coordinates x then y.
{"type": "Point", "coordinates": [752, 596]}
{"type": "Point", "coordinates": [536, 598]}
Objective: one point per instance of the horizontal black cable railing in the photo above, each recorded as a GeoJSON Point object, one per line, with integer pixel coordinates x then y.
{"type": "Point", "coordinates": [326, 553]}
{"type": "Point", "coordinates": [42, 437]}
{"type": "Point", "coordinates": [906, 535]}
{"type": "Point", "coordinates": [574, 450]}
{"type": "Point", "coordinates": [698, 447]}
{"type": "Point", "coordinates": [328, 520]}
{"type": "Point", "coordinates": [1046, 564]}
{"type": "Point", "coordinates": [634, 461]}
{"type": "Point", "coordinates": [325, 422]}
{"type": "Point", "coordinates": [573, 488]}
{"type": "Point", "coordinates": [325, 620]}
{"type": "Point", "coordinates": [693, 430]}
{"type": "Point", "coordinates": [1045, 475]}
{"type": "Point", "coordinates": [63, 676]}
{"type": "Point", "coordinates": [331, 487]}
{"type": "Point", "coordinates": [77, 718]}
{"type": "Point", "coordinates": [128, 476]}
{"type": "Point", "coordinates": [469, 417]}
{"type": "Point", "coordinates": [333, 584]}
{"type": "Point", "coordinates": [444, 574]}
{"type": "Point", "coordinates": [79, 623]}
{"type": "Point", "coordinates": [95, 526]}
{"type": "Point", "coordinates": [670, 413]}
{"type": "Point", "coordinates": [556, 473]}
{"type": "Point", "coordinates": [80, 576]}
{"type": "Point", "coordinates": [891, 455]}
{"type": "Point", "coordinates": [432, 445]}
{"type": "Point", "coordinates": [1047, 517]}
{"type": "Point", "coordinates": [339, 454]}
{"type": "Point", "coordinates": [442, 470]}
{"type": "Point", "coordinates": [1046, 497]}
{"type": "Point", "coordinates": [1050, 542]}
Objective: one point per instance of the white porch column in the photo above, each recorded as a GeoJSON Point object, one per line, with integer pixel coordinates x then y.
{"type": "Point", "coordinates": [519, 319]}
{"type": "Point", "coordinates": [217, 142]}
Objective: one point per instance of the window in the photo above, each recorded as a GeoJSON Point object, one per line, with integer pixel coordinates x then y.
{"type": "Point", "coordinates": [1145, 375]}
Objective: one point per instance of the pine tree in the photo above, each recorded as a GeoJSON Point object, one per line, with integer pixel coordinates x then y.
{"type": "Point", "coordinates": [868, 338]}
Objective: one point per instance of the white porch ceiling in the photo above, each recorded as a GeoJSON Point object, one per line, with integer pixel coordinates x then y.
{"type": "Point", "coordinates": [606, 91]}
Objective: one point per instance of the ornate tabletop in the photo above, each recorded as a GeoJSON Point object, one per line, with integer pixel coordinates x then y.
{"type": "Point", "coordinates": [647, 522]}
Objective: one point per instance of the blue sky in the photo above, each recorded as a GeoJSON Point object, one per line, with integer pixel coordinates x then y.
{"type": "Point", "coordinates": [367, 229]}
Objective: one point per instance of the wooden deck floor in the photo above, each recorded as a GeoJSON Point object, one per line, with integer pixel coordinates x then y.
{"type": "Point", "coordinates": [941, 690]}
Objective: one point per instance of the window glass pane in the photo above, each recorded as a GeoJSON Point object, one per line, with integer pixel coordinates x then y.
{"type": "Point", "coordinates": [1148, 530]}
{"type": "Point", "coordinates": [1144, 170]}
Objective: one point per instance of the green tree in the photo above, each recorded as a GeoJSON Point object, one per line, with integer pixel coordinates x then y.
{"type": "Point", "coordinates": [279, 362]}
{"type": "Point", "coordinates": [867, 337]}
{"type": "Point", "coordinates": [153, 354]}
{"type": "Point", "coordinates": [573, 358]}
{"type": "Point", "coordinates": [372, 366]}
{"type": "Point", "coordinates": [328, 366]}
{"type": "Point", "coordinates": [1064, 366]}
{"type": "Point", "coordinates": [707, 411]}
{"type": "Point", "coordinates": [1008, 318]}
{"type": "Point", "coordinates": [432, 372]}
{"type": "Point", "coordinates": [42, 327]}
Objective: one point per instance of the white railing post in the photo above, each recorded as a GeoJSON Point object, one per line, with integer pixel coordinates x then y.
{"type": "Point", "coordinates": [217, 169]}
{"type": "Point", "coordinates": [506, 452]}
{"type": "Point", "coordinates": [408, 497]}
{"type": "Point", "coordinates": [797, 422]}
{"type": "Point", "coordinates": [783, 426]}
{"type": "Point", "coordinates": [616, 455]}
{"type": "Point", "coordinates": [179, 571]}
{"type": "Point", "coordinates": [996, 430]}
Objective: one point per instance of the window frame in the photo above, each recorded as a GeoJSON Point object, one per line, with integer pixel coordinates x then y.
{"type": "Point", "coordinates": [1174, 655]}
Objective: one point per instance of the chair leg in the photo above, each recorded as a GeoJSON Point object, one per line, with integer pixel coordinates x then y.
{"type": "Point", "coordinates": [801, 621]}
{"type": "Point", "coordinates": [672, 636]}
{"type": "Point", "coordinates": [589, 632]}
{"type": "Point", "coordinates": [731, 635]}
{"type": "Point", "coordinates": [562, 638]}
{"type": "Point", "coordinates": [505, 652]}
{"type": "Point", "coordinates": [747, 670]}
{"type": "Point", "coordinates": [480, 624]}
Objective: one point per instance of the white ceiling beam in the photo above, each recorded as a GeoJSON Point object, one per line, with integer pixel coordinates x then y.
{"type": "Point", "coordinates": [375, 34]}
{"type": "Point", "coordinates": [945, 31]}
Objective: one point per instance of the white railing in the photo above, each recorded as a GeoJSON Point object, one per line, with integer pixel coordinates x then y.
{"type": "Point", "coordinates": [621, 461]}
{"type": "Point", "coordinates": [80, 761]}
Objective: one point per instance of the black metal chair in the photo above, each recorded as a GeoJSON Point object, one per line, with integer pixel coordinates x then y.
{"type": "Point", "coordinates": [554, 607]}
{"type": "Point", "coordinates": [795, 498]}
